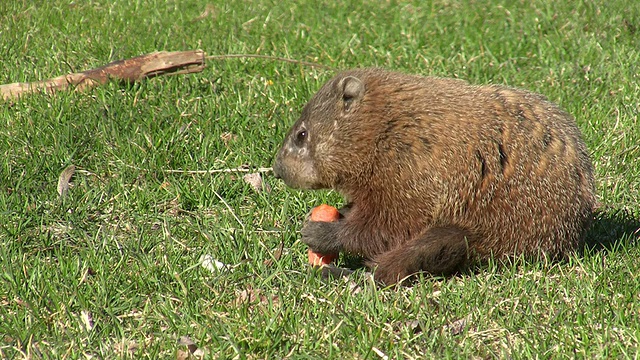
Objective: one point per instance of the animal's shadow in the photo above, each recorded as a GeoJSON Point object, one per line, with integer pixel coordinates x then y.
{"type": "Point", "coordinates": [612, 227]}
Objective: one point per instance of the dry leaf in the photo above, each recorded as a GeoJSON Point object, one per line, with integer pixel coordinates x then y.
{"type": "Point", "coordinates": [248, 295]}
{"type": "Point", "coordinates": [64, 179]}
{"type": "Point", "coordinates": [255, 296]}
{"type": "Point", "coordinates": [456, 327]}
{"type": "Point", "coordinates": [256, 182]}
{"type": "Point", "coordinates": [277, 254]}
{"type": "Point", "coordinates": [414, 326]}
{"type": "Point", "coordinates": [182, 355]}
{"type": "Point", "coordinates": [87, 320]}
{"type": "Point", "coordinates": [185, 340]}
{"type": "Point", "coordinates": [354, 288]}
{"type": "Point", "coordinates": [193, 348]}
{"type": "Point", "coordinates": [227, 137]}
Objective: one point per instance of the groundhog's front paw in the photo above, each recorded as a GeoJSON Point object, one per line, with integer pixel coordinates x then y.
{"type": "Point", "coordinates": [321, 237]}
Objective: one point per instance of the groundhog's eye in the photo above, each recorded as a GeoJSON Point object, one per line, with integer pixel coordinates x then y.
{"type": "Point", "coordinates": [301, 136]}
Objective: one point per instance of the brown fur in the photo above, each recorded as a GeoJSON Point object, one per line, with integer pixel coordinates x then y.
{"type": "Point", "coordinates": [438, 172]}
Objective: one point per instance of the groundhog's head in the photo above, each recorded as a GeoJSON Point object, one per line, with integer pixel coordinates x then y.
{"type": "Point", "coordinates": [326, 147]}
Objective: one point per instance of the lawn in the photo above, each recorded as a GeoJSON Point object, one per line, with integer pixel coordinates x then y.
{"type": "Point", "coordinates": [114, 269]}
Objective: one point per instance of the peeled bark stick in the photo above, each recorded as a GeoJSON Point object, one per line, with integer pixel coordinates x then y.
{"type": "Point", "coordinates": [127, 71]}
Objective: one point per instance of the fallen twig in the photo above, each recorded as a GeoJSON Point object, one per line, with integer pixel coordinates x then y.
{"type": "Point", "coordinates": [128, 70]}
{"type": "Point", "coordinates": [214, 171]}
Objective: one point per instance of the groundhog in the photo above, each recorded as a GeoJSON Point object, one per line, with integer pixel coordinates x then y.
{"type": "Point", "coordinates": [439, 174]}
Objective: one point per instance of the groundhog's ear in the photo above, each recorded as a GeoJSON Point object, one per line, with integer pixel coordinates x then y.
{"type": "Point", "coordinates": [352, 90]}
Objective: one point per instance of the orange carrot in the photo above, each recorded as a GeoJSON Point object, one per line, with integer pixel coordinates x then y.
{"type": "Point", "coordinates": [318, 260]}
{"type": "Point", "coordinates": [326, 213]}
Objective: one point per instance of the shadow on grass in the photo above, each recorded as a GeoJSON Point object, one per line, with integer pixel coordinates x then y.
{"type": "Point", "coordinates": [611, 228]}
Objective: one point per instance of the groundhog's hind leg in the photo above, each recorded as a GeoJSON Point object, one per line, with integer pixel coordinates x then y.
{"type": "Point", "coordinates": [439, 251]}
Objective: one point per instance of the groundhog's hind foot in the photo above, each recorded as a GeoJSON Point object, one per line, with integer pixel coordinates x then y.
{"type": "Point", "coordinates": [439, 251]}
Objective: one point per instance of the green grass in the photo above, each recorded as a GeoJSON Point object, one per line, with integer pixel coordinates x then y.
{"type": "Point", "coordinates": [124, 245]}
